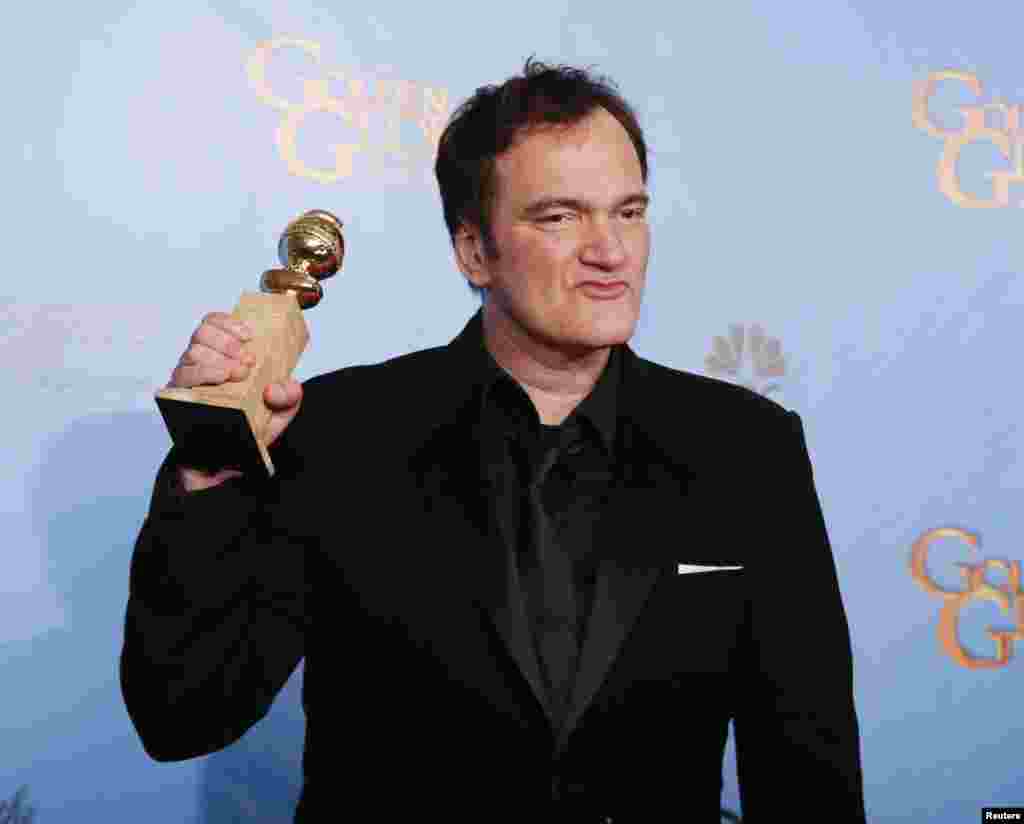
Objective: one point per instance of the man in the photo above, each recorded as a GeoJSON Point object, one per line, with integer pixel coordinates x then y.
{"type": "Point", "coordinates": [548, 572]}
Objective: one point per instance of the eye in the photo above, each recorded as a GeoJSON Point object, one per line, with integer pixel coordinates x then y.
{"type": "Point", "coordinates": [556, 219]}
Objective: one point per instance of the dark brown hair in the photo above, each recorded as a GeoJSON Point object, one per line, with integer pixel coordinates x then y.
{"type": "Point", "coordinates": [490, 121]}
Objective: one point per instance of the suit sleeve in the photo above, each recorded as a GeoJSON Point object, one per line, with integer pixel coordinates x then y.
{"type": "Point", "coordinates": [797, 738]}
{"type": "Point", "coordinates": [216, 618]}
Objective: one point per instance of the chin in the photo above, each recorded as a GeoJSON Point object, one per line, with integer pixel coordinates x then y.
{"type": "Point", "coordinates": [590, 342]}
{"type": "Point", "coordinates": [612, 331]}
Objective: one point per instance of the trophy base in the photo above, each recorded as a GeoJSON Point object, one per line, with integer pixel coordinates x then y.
{"type": "Point", "coordinates": [220, 434]}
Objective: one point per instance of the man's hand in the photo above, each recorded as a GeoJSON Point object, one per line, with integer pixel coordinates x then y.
{"type": "Point", "coordinates": [216, 355]}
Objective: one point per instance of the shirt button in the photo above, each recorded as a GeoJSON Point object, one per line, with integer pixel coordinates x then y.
{"type": "Point", "coordinates": [575, 448]}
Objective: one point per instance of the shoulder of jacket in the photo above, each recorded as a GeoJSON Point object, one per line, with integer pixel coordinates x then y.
{"type": "Point", "coordinates": [713, 395]}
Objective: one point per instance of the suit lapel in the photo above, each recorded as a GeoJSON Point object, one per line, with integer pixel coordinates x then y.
{"type": "Point", "coordinates": [461, 502]}
{"type": "Point", "coordinates": [646, 500]}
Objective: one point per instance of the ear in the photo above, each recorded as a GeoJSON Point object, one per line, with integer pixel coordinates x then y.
{"type": "Point", "coordinates": [469, 255]}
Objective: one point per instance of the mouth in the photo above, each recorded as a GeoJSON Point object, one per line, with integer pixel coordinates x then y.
{"type": "Point", "coordinates": [604, 289]}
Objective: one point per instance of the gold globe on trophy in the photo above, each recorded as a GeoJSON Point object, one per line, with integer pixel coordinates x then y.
{"type": "Point", "coordinates": [224, 425]}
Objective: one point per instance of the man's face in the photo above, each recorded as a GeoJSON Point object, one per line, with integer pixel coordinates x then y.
{"type": "Point", "coordinates": [569, 207]}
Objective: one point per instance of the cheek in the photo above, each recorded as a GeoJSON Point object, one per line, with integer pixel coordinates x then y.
{"type": "Point", "coordinates": [543, 264]}
{"type": "Point", "coordinates": [641, 244]}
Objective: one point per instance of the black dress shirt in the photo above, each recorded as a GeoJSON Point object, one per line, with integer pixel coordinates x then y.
{"type": "Point", "coordinates": [573, 489]}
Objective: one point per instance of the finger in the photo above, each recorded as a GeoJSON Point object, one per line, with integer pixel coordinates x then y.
{"type": "Point", "coordinates": [189, 376]}
{"type": "Point", "coordinates": [281, 396]}
{"type": "Point", "coordinates": [208, 374]}
{"type": "Point", "coordinates": [229, 323]}
{"type": "Point", "coordinates": [198, 354]}
{"type": "Point", "coordinates": [219, 339]}
{"type": "Point", "coordinates": [275, 396]}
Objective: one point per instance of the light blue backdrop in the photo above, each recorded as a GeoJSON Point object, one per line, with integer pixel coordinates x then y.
{"type": "Point", "coordinates": [792, 192]}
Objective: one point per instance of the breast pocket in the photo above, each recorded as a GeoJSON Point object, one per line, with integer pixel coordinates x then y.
{"type": "Point", "coordinates": [699, 615]}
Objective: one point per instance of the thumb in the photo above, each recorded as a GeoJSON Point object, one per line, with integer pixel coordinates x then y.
{"type": "Point", "coordinates": [280, 396]}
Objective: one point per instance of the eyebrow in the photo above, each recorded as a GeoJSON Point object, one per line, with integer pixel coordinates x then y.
{"type": "Point", "coordinates": [546, 203]}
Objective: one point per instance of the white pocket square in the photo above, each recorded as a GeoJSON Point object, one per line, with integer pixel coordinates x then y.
{"type": "Point", "coordinates": [686, 569]}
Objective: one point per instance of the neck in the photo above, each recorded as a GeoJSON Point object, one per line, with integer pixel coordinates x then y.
{"type": "Point", "coordinates": [555, 380]}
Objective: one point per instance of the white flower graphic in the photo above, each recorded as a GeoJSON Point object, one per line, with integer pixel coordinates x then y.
{"type": "Point", "coordinates": [766, 358]}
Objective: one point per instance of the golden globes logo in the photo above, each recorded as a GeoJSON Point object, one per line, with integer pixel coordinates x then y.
{"type": "Point", "coordinates": [976, 587]}
{"type": "Point", "coordinates": [370, 108]}
{"type": "Point", "coordinates": [766, 358]}
{"type": "Point", "coordinates": [1006, 134]}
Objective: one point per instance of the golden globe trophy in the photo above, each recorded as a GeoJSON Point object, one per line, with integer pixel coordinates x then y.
{"type": "Point", "coordinates": [223, 426]}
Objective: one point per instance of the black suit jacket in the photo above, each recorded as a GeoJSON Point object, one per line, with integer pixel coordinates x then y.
{"type": "Point", "coordinates": [421, 687]}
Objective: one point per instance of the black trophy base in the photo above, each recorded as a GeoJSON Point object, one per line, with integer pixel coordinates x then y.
{"type": "Point", "coordinates": [210, 437]}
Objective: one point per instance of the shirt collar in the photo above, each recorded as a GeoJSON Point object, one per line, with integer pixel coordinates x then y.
{"type": "Point", "coordinates": [596, 412]}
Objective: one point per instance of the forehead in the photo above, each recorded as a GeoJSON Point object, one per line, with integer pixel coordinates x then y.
{"type": "Point", "coordinates": [592, 158]}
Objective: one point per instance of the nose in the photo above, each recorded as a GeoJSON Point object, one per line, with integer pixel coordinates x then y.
{"type": "Point", "coordinates": [603, 246]}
